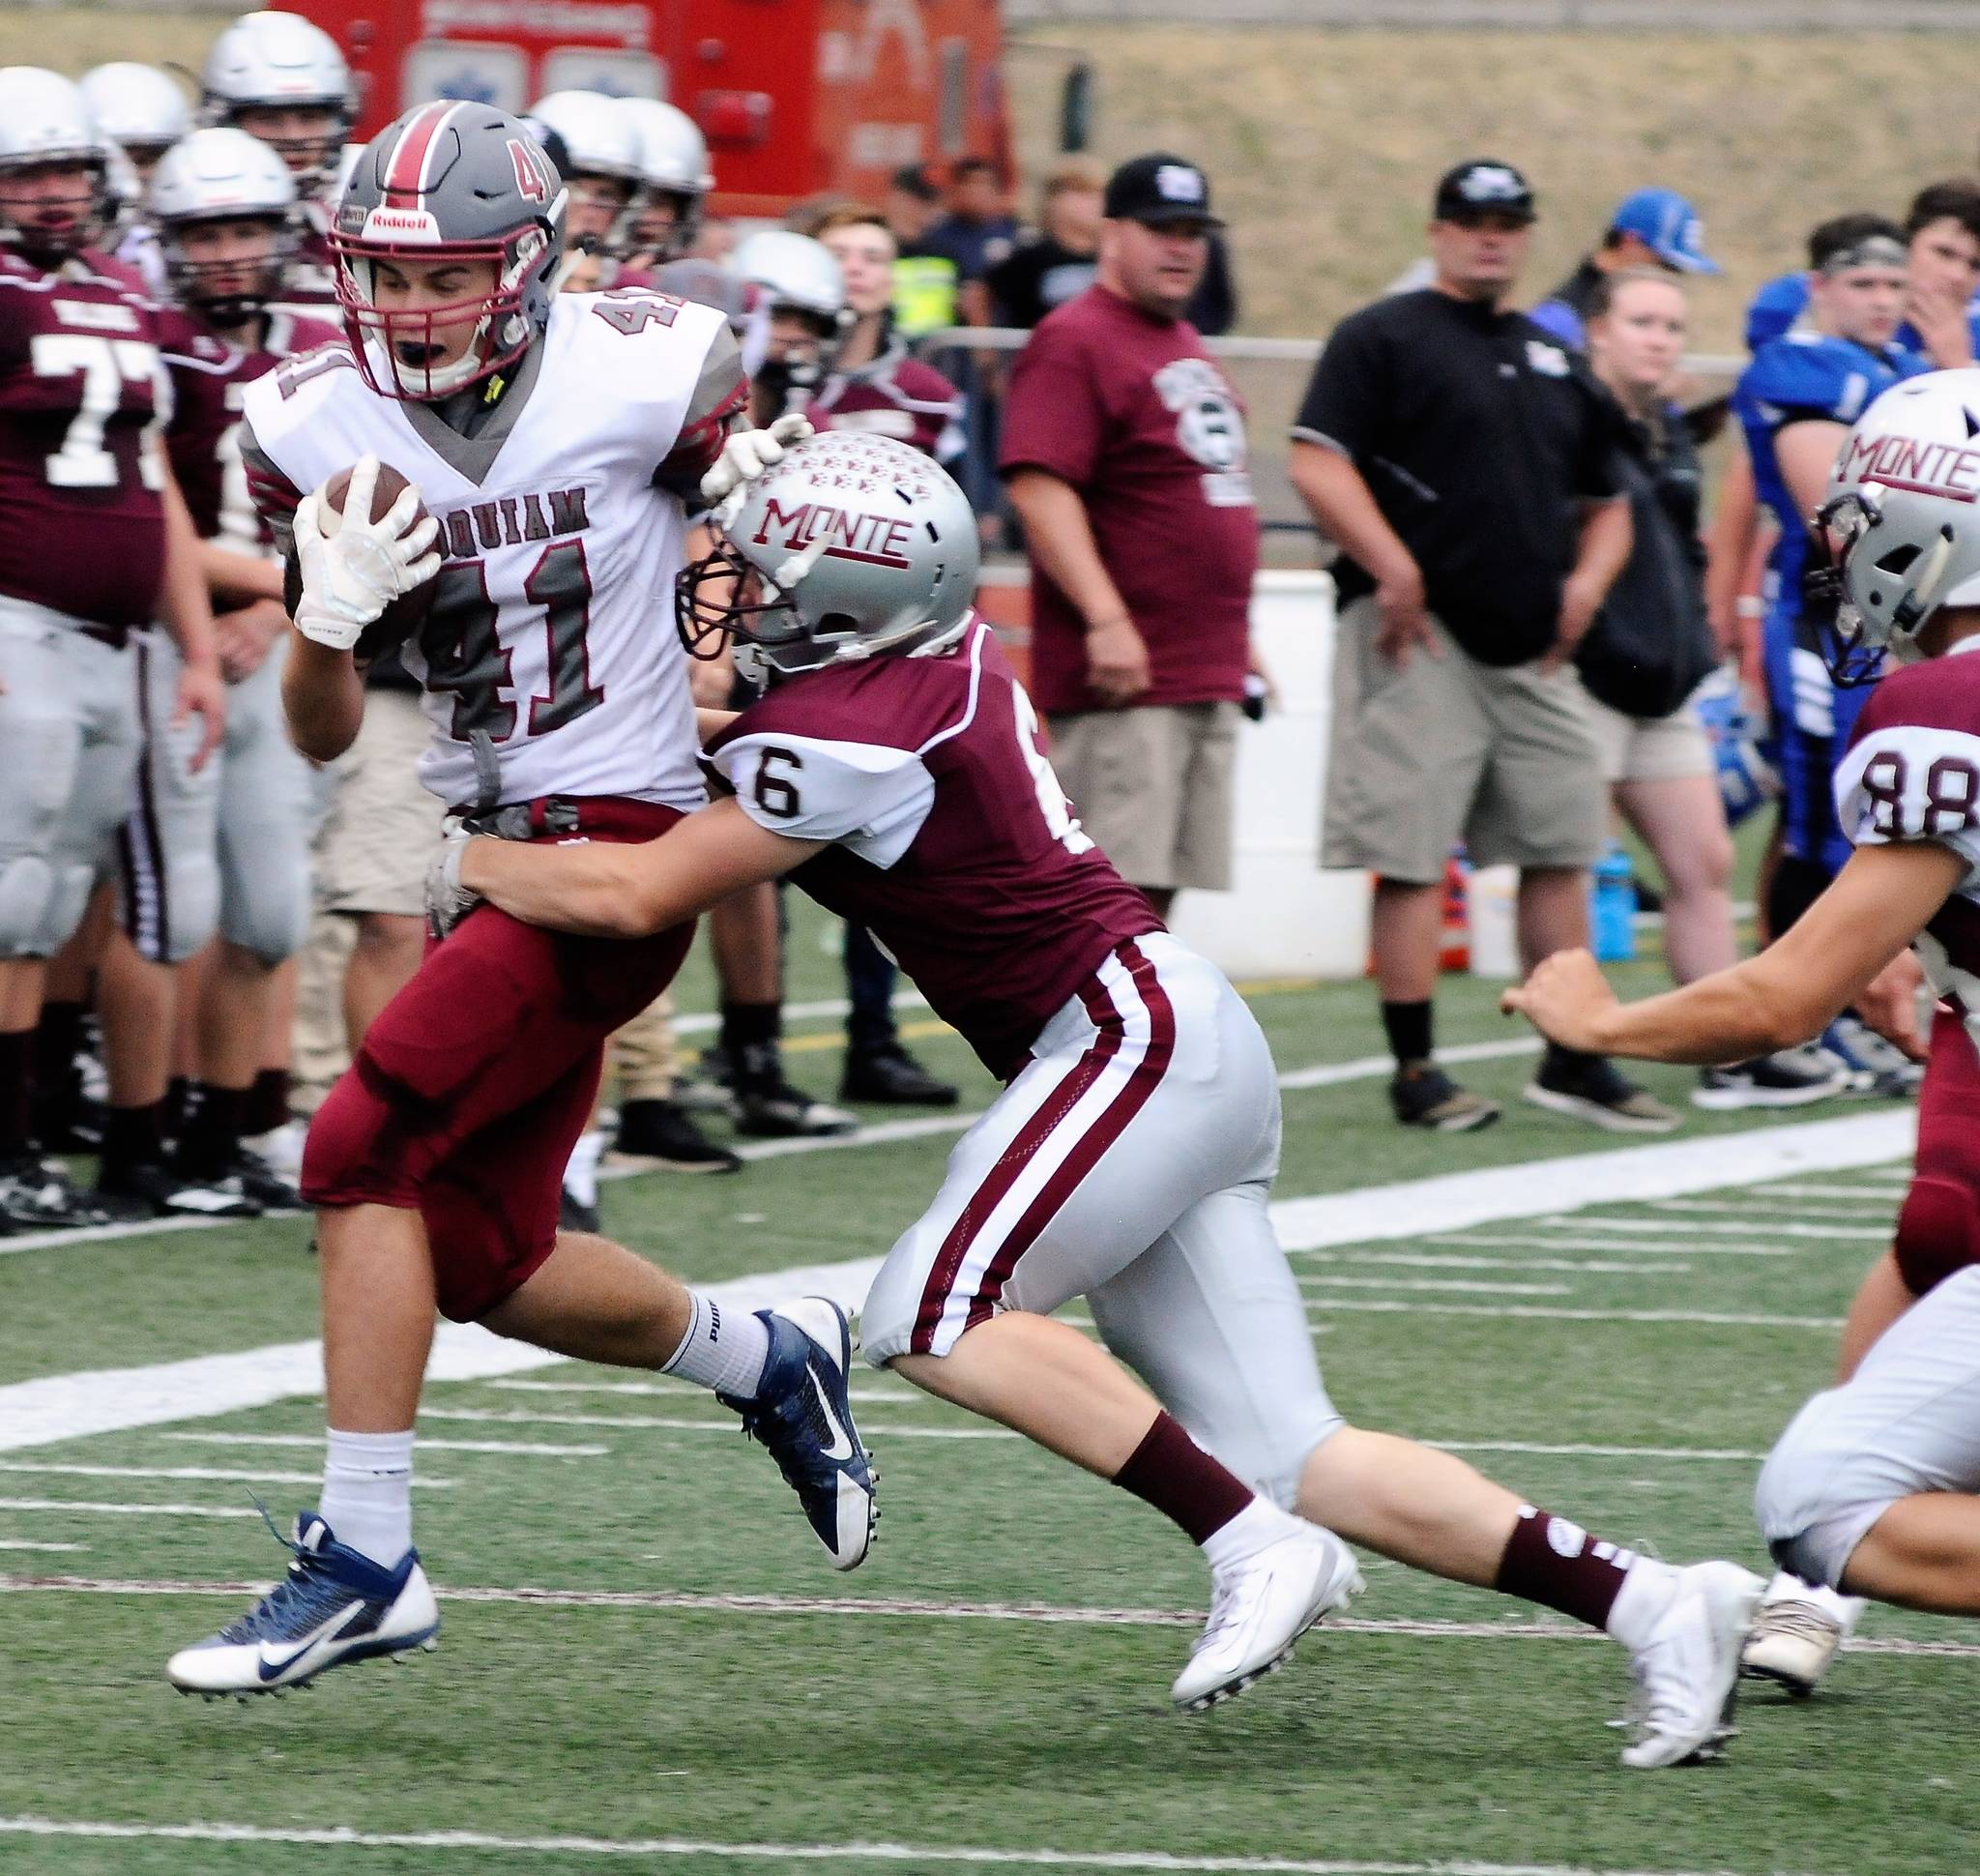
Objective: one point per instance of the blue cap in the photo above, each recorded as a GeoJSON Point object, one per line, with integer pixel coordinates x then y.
{"type": "Point", "coordinates": [1668, 225]}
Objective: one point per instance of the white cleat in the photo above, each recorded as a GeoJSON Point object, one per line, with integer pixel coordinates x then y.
{"type": "Point", "coordinates": [1797, 1635]}
{"type": "Point", "coordinates": [1260, 1607]}
{"type": "Point", "coordinates": [1687, 1670]}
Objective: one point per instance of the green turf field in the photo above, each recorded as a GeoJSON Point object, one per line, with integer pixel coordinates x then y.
{"type": "Point", "coordinates": [694, 1690]}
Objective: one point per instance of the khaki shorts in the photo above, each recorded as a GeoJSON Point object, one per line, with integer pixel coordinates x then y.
{"type": "Point", "coordinates": [1449, 749]}
{"type": "Point", "coordinates": [1649, 748]}
{"type": "Point", "coordinates": [382, 828]}
{"type": "Point", "coordinates": [1153, 787]}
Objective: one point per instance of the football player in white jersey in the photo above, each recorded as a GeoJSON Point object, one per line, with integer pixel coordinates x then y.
{"type": "Point", "coordinates": [1875, 1488]}
{"type": "Point", "coordinates": [555, 516]}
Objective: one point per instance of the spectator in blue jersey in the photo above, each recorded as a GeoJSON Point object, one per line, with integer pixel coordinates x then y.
{"type": "Point", "coordinates": [1652, 228]}
{"type": "Point", "coordinates": [1796, 403]}
{"type": "Point", "coordinates": [1942, 275]}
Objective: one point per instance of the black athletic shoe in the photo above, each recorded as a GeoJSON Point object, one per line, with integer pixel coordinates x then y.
{"type": "Point", "coordinates": [266, 1187]}
{"type": "Point", "coordinates": [1591, 1088]}
{"type": "Point", "coordinates": [709, 1088]}
{"type": "Point", "coordinates": [891, 1077]}
{"type": "Point", "coordinates": [662, 1131]}
{"type": "Point", "coordinates": [155, 1188]}
{"type": "Point", "coordinates": [1790, 1078]}
{"type": "Point", "coordinates": [67, 1119]}
{"type": "Point", "coordinates": [575, 1215]}
{"type": "Point", "coordinates": [37, 1194]}
{"type": "Point", "coordinates": [1422, 1095]}
{"type": "Point", "coordinates": [768, 1107]}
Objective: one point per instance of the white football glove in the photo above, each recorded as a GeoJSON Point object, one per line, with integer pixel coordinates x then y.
{"type": "Point", "coordinates": [349, 578]}
{"type": "Point", "coordinates": [747, 453]}
{"type": "Point", "coordinates": [448, 901]}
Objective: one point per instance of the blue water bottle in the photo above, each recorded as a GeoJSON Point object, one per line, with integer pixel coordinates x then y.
{"type": "Point", "coordinates": [1612, 906]}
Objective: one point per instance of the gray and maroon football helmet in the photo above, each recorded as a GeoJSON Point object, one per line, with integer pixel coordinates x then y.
{"type": "Point", "coordinates": [448, 182]}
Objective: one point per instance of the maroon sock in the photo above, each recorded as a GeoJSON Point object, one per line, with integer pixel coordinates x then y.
{"type": "Point", "coordinates": [267, 1102]}
{"type": "Point", "coordinates": [1183, 1481]}
{"type": "Point", "coordinates": [17, 1090]}
{"type": "Point", "coordinates": [1558, 1563]}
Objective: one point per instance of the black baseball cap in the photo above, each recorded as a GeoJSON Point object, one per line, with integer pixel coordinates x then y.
{"type": "Point", "coordinates": [912, 179]}
{"type": "Point", "coordinates": [1483, 187]}
{"type": "Point", "coordinates": [1158, 189]}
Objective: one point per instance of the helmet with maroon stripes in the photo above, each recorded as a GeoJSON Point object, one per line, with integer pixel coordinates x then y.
{"type": "Point", "coordinates": [454, 183]}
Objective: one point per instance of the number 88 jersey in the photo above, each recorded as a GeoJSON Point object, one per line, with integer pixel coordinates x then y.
{"type": "Point", "coordinates": [82, 527]}
{"type": "Point", "coordinates": [549, 661]}
{"type": "Point", "coordinates": [1912, 772]}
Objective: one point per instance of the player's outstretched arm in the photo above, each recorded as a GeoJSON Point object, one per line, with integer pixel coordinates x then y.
{"type": "Point", "coordinates": [607, 891]}
{"type": "Point", "coordinates": [1786, 994]}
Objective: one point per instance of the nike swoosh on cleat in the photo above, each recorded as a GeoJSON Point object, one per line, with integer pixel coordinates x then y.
{"type": "Point", "coordinates": [841, 1446]}
{"type": "Point", "coordinates": [331, 1629]}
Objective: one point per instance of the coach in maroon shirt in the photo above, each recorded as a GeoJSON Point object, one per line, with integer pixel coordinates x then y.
{"type": "Point", "coordinates": [1124, 455]}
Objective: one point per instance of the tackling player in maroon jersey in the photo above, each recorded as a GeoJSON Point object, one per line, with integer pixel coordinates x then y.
{"type": "Point", "coordinates": [893, 769]}
{"type": "Point", "coordinates": [1875, 1489]}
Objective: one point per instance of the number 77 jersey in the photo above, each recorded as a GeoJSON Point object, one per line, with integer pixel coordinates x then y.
{"type": "Point", "coordinates": [549, 660]}
{"type": "Point", "coordinates": [951, 839]}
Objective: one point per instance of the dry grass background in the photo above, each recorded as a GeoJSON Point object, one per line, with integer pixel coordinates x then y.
{"type": "Point", "coordinates": [1323, 143]}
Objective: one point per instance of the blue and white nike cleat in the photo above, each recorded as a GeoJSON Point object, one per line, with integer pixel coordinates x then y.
{"type": "Point", "coordinates": [336, 1605]}
{"type": "Point", "coordinates": [803, 1415]}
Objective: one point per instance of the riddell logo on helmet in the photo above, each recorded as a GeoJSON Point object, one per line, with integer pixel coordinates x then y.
{"type": "Point", "coordinates": [877, 539]}
{"type": "Point", "coordinates": [1915, 463]}
{"type": "Point", "coordinates": [402, 222]}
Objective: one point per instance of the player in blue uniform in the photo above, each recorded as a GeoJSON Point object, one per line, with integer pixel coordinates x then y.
{"type": "Point", "coordinates": [1796, 403]}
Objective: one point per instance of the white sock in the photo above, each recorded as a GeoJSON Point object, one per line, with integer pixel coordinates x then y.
{"type": "Point", "coordinates": [724, 1349]}
{"type": "Point", "coordinates": [1646, 1593]}
{"type": "Point", "coordinates": [1786, 1587]}
{"type": "Point", "coordinates": [1260, 1523]}
{"type": "Point", "coordinates": [368, 1493]}
{"type": "Point", "coordinates": [581, 1170]}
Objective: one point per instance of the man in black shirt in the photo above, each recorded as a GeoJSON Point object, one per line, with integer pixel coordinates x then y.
{"type": "Point", "coordinates": [1058, 263]}
{"type": "Point", "coordinates": [1462, 458]}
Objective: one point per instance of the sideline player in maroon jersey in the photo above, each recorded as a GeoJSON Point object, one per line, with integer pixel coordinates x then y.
{"type": "Point", "coordinates": [893, 769]}
{"type": "Point", "coordinates": [225, 849]}
{"type": "Point", "coordinates": [94, 545]}
{"type": "Point", "coordinates": [1875, 1488]}
{"type": "Point", "coordinates": [553, 516]}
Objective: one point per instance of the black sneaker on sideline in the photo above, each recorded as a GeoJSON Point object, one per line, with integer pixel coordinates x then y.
{"type": "Point", "coordinates": [1591, 1088]}
{"type": "Point", "coordinates": [708, 1086]}
{"type": "Point", "coordinates": [574, 1214]}
{"type": "Point", "coordinates": [891, 1077]}
{"type": "Point", "coordinates": [665, 1133]}
{"type": "Point", "coordinates": [37, 1194]}
{"type": "Point", "coordinates": [768, 1107]}
{"type": "Point", "coordinates": [1789, 1078]}
{"type": "Point", "coordinates": [154, 1188]}
{"type": "Point", "coordinates": [1423, 1095]}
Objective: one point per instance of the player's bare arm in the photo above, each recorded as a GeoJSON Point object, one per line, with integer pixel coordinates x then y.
{"type": "Point", "coordinates": [189, 617]}
{"type": "Point", "coordinates": [1786, 994]}
{"type": "Point", "coordinates": [628, 892]}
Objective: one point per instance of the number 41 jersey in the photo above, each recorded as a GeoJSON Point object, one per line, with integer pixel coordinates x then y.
{"type": "Point", "coordinates": [549, 660]}
{"type": "Point", "coordinates": [1912, 772]}
{"type": "Point", "coordinates": [951, 839]}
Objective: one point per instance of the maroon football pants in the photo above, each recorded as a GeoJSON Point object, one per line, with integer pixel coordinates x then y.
{"type": "Point", "coordinates": [477, 1079]}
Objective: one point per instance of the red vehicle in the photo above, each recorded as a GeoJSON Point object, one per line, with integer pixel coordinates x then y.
{"type": "Point", "coordinates": [794, 96]}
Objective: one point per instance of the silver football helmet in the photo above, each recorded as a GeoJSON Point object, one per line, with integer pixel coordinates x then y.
{"type": "Point", "coordinates": [1900, 522]}
{"type": "Point", "coordinates": [455, 182]}
{"type": "Point", "coordinates": [673, 173]}
{"type": "Point", "coordinates": [598, 142]}
{"type": "Point", "coordinates": [853, 546]}
{"type": "Point", "coordinates": [272, 60]}
{"type": "Point", "coordinates": [222, 174]}
{"type": "Point", "coordinates": [793, 271]}
{"type": "Point", "coordinates": [138, 108]}
{"type": "Point", "coordinates": [44, 120]}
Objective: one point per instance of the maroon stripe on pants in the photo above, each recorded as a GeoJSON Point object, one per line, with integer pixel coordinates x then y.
{"type": "Point", "coordinates": [1013, 1159]}
{"type": "Point", "coordinates": [146, 922]}
{"type": "Point", "coordinates": [1143, 1079]}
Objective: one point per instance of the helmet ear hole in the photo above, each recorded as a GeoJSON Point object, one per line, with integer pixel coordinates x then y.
{"type": "Point", "coordinates": [1898, 561]}
{"type": "Point", "coordinates": [837, 622]}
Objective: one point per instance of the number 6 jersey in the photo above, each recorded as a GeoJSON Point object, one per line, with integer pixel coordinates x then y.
{"type": "Point", "coordinates": [82, 526]}
{"type": "Point", "coordinates": [549, 660]}
{"type": "Point", "coordinates": [951, 839]}
{"type": "Point", "coordinates": [1912, 772]}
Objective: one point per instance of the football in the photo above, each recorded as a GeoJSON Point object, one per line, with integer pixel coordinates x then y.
{"type": "Point", "coordinates": [405, 615]}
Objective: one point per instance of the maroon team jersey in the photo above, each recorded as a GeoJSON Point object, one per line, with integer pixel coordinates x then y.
{"type": "Point", "coordinates": [952, 840]}
{"type": "Point", "coordinates": [1133, 413]}
{"type": "Point", "coordinates": [208, 376]}
{"type": "Point", "coordinates": [894, 396]}
{"type": "Point", "coordinates": [309, 279]}
{"type": "Point", "coordinates": [82, 528]}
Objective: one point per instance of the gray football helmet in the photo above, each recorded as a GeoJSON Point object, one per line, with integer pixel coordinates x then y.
{"type": "Point", "coordinates": [269, 60]}
{"type": "Point", "coordinates": [853, 546]}
{"type": "Point", "coordinates": [222, 174]}
{"type": "Point", "coordinates": [44, 120]}
{"type": "Point", "coordinates": [1900, 524]}
{"type": "Point", "coordinates": [673, 173]}
{"type": "Point", "coordinates": [138, 108]}
{"type": "Point", "coordinates": [455, 182]}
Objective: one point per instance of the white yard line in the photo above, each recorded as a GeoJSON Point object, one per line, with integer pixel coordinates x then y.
{"type": "Point", "coordinates": [1871, 1197]}
{"type": "Point", "coordinates": [1430, 1260]}
{"type": "Point", "coordinates": [1720, 1227]}
{"type": "Point", "coordinates": [191, 1472]}
{"type": "Point", "coordinates": [83, 1508]}
{"type": "Point", "coordinates": [1413, 1283]}
{"type": "Point", "coordinates": [32, 1543]}
{"type": "Point", "coordinates": [1635, 1246]}
{"type": "Point", "coordinates": [510, 1448]}
{"type": "Point", "coordinates": [1544, 1312]}
{"type": "Point", "coordinates": [859, 1854]}
{"type": "Point", "coordinates": [898, 1395]}
{"type": "Point", "coordinates": [1739, 1211]}
{"type": "Point", "coordinates": [523, 1417]}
